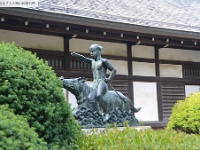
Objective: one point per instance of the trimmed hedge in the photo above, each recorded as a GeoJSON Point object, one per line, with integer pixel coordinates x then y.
{"type": "Point", "coordinates": [15, 133]}
{"type": "Point", "coordinates": [131, 139]}
{"type": "Point", "coordinates": [186, 115]}
{"type": "Point", "coordinates": [30, 87]}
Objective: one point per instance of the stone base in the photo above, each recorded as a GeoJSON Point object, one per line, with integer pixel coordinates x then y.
{"type": "Point", "coordinates": [100, 130]}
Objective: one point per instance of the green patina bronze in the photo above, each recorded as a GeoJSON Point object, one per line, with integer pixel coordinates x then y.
{"type": "Point", "coordinates": [98, 106]}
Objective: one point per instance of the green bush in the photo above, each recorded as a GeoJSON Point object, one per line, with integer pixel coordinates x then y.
{"type": "Point", "coordinates": [131, 139]}
{"type": "Point", "coordinates": [30, 87]}
{"type": "Point", "coordinates": [15, 133]}
{"type": "Point", "coordinates": [186, 115]}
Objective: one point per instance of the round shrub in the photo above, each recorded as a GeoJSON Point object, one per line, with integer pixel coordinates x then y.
{"type": "Point", "coordinates": [186, 115]}
{"type": "Point", "coordinates": [31, 88]}
{"type": "Point", "coordinates": [15, 133]}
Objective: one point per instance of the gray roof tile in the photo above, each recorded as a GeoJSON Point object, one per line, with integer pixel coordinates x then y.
{"type": "Point", "coordinates": [170, 14]}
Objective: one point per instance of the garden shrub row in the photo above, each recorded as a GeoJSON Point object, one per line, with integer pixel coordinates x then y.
{"type": "Point", "coordinates": [131, 139]}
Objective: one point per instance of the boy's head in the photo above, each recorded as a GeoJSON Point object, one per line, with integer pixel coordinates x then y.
{"type": "Point", "coordinates": [96, 47]}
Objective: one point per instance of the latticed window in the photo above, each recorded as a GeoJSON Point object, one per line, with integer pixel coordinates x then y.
{"type": "Point", "coordinates": [191, 71]}
{"type": "Point", "coordinates": [171, 92]}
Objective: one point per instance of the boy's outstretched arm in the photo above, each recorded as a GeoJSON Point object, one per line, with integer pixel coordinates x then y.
{"type": "Point", "coordinates": [81, 57]}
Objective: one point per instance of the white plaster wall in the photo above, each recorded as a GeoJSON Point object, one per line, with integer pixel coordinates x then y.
{"type": "Point", "coordinates": [190, 89]}
{"type": "Point", "coordinates": [178, 54]}
{"type": "Point", "coordinates": [143, 68]}
{"type": "Point", "coordinates": [29, 40]}
{"type": "Point", "coordinates": [121, 66]}
{"type": "Point", "coordinates": [143, 51]}
{"type": "Point", "coordinates": [167, 70]}
{"type": "Point", "coordinates": [115, 49]}
{"type": "Point", "coordinates": [72, 99]}
{"type": "Point", "coordinates": [145, 96]}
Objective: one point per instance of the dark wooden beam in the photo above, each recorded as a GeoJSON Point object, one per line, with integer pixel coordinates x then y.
{"type": "Point", "coordinates": [17, 23]}
{"type": "Point", "coordinates": [28, 30]}
{"type": "Point", "coordinates": [157, 65]}
{"type": "Point", "coordinates": [130, 70]}
{"type": "Point", "coordinates": [64, 18]}
{"type": "Point", "coordinates": [173, 62]}
{"type": "Point", "coordinates": [66, 53]}
{"type": "Point", "coordinates": [129, 56]}
{"type": "Point", "coordinates": [158, 85]}
{"type": "Point", "coordinates": [193, 81]}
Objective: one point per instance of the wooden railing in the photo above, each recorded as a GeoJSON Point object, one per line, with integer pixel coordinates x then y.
{"type": "Point", "coordinates": [55, 59]}
{"type": "Point", "coordinates": [191, 71]}
{"type": "Point", "coordinates": [78, 65]}
{"type": "Point", "coordinates": [56, 62]}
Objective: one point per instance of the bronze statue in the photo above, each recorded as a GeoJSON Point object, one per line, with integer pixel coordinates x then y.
{"type": "Point", "coordinates": [98, 106]}
{"type": "Point", "coordinates": [99, 66]}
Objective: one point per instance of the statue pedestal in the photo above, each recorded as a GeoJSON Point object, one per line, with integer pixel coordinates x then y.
{"type": "Point", "coordinates": [100, 130]}
{"type": "Point", "coordinates": [92, 112]}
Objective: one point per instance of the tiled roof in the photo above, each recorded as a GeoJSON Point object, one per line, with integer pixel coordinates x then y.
{"type": "Point", "coordinates": [170, 14]}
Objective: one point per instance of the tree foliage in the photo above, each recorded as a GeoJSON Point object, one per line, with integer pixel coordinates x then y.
{"type": "Point", "coordinates": [15, 133]}
{"type": "Point", "coordinates": [31, 88]}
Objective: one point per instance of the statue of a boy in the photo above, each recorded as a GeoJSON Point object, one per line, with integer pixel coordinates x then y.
{"type": "Point", "coordinates": [99, 66]}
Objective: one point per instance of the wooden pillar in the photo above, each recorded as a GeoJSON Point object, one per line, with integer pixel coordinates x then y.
{"type": "Point", "coordinates": [130, 71]}
{"type": "Point", "coordinates": [157, 71]}
{"type": "Point", "coordinates": [66, 53]}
